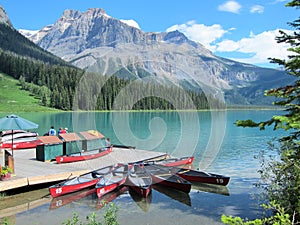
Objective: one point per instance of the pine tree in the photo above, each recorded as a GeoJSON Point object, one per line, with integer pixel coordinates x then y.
{"type": "Point", "coordinates": [284, 175]}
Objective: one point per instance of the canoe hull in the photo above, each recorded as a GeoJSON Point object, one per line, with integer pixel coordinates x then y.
{"type": "Point", "coordinates": [112, 180]}
{"type": "Point", "coordinates": [78, 183]}
{"type": "Point", "coordinates": [173, 181]}
{"type": "Point", "coordinates": [139, 180]}
{"type": "Point", "coordinates": [58, 190]}
{"type": "Point", "coordinates": [201, 176]}
{"type": "Point", "coordinates": [143, 191]}
{"type": "Point", "coordinates": [109, 188]}
{"type": "Point", "coordinates": [163, 175]}
{"type": "Point", "coordinates": [218, 179]}
{"type": "Point", "coordinates": [180, 161]}
{"type": "Point", "coordinates": [69, 159]}
{"type": "Point", "coordinates": [21, 144]}
{"type": "Point", "coordinates": [172, 161]}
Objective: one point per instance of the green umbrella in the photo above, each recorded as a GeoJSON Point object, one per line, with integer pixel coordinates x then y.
{"type": "Point", "coordinates": [14, 122]}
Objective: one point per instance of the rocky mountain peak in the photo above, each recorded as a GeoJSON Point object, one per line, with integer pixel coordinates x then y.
{"type": "Point", "coordinates": [94, 41]}
{"type": "Point", "coordinates": [75, 14]}
{"type": "Point", "coordinates": [4, 18]}
{"type": "Point", "coordinates": [75, 32]}
{"type": "Point", "coordinates": [96, 12]}
{"type": "Point", "coordinates": [70, 14]}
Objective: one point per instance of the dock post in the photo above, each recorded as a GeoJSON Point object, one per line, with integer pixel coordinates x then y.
{"type": "Point", "coordinates": [11, 163]}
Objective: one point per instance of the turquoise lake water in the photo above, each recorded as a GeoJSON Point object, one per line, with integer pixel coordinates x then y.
{"type": "Point", "coordinates": [217, 144]}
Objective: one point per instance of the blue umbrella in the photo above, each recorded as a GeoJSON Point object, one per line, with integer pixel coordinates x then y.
{"type": "Point", "coordinates": [14, 122]}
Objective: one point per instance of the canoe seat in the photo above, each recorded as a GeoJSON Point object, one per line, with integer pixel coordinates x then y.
{"type": "Point", "coordinates": [163, 174]}
{"type": "Point", "coordinates": [144, 177]}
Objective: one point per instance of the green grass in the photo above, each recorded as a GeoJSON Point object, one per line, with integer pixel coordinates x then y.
{"type": "Point", "coordinates": [13, 99]}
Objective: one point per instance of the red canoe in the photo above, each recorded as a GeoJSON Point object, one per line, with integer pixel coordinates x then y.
{"type": "Point", "coordinates": [111, 180]}
{"type": "Point", "coordinates": [21, 144]}
{"type": "Point", "coordinates": [83, 156]}
{"type": "Point", "coordinates": [187, 160]}
{"type": "Point", "coordinates": [139, 179]}
{"type": "Point", "coordinates": [201, 176]}
{"type": "Point", "coordinates": [81, 182]}
{"type": "Point", "coordinates": [74, 184]}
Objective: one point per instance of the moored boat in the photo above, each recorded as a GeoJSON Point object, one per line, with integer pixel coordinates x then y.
{"type": "Point", "coordinates": [201, 176]}
{"type": "Point", "coordinates": [9, 135]}
{"type": "Point", "coordinates": [163, 176]}
{"type": "Point", "coordinates": [111, 180]}
{"type": "Point", "coordinates": [83, 156]}
{"type": "Point", "coordinates": [187, 160]}
{"type": "Point", "coordinates": [18, 139]}
{"type": "Point", "coordinates": [21, 143]}
{"type": "Point", "coordinates": [139, 179]}
{"type": "Point", "coordinates": [74, 184]}
{"type": "Point", "coordinates": [81, 182]}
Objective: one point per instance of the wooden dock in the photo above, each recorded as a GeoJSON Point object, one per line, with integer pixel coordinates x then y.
{"type": "Point", "coordinates": [29, 171]}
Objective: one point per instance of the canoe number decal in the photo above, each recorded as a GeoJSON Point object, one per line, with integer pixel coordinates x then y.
{"type": "Point", "coordinates": [58, 190]}
{"type": "Point", "coordinates": [220, 181]}
{"type": "Point", "coordinates": [101, 190]}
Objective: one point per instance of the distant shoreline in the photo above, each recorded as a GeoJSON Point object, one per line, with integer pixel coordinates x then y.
{"type": "Point", "coordinates": [175, 110]}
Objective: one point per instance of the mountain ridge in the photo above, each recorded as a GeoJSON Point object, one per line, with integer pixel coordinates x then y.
{"type": "Point", "coordinates": [94, 41]}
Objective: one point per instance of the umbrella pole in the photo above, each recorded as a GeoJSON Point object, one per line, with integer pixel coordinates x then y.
{"type": "Point", "coordinates": [11, 163]}
{"type": "Point", "coordinates": [12, 143]}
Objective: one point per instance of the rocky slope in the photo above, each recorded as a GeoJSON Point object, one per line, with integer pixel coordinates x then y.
{"type": "Point", "coordinates": [4, 18]}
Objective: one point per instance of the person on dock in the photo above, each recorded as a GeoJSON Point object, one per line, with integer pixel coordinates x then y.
{"type": "Point", "coordinates": [61, 131]}
{"type": "Point", "coordinates": [52, 131]}
{"type": "Point", "coordinates": [107, 142]}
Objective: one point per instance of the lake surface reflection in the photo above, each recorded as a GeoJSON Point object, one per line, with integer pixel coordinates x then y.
{"type": "Point", "coordinates": [217, 144]}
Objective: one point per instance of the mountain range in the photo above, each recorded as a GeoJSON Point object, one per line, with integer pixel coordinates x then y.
{"type": "Point", "coordinates": [97, 42]}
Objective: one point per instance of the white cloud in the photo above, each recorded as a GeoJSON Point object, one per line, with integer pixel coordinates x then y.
{"type": "Point", "coordinates": [257, 9]}
{"type": "Point", "coordinates": [257, 48]}
{"type": "Point", "coordinates": [230, 6]}
{"type": "Point", "coordinates": [200, 32]}
{"type": "Point", "coordinates": [261, 47]}
{"type": "Point", "coordinates": [131, 23]}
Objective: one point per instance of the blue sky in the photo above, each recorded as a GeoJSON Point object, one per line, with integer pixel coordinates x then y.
{"type": "Point", "coordinates": [242, 30]}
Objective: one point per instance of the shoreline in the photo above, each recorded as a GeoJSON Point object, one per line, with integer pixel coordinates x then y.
{"type": "Point", "coordinates": [135, 111]}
